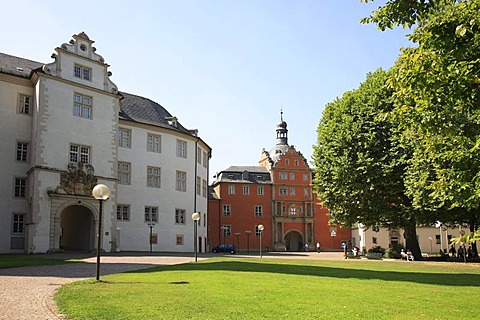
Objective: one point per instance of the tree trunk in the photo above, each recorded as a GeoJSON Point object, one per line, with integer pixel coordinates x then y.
{"type": "Point", "coordinates": [411, 240]}
{"type": "Point", "coordinates": [473, 227]}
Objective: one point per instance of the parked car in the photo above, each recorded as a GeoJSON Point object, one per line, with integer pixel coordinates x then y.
{"type": "Point", "coordinates": [225, 248]}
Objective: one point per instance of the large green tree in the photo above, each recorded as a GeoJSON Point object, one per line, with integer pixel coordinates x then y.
{"type": "Point", "coordinates": [360, 163]}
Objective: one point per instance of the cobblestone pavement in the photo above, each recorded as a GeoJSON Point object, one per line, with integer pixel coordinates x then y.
{"type": "Point", "coordinates": [26, 293]}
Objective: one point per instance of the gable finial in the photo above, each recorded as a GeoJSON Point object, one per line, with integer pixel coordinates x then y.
{"type": "Point", "coordinates": [281, 113]}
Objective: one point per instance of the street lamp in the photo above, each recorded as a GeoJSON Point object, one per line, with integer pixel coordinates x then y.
{"type": "Point", "coordinates": [224, 228]}
{"type": "Point", "coordinates": [260, 228]}
{"type": "Point", "coordinates": [248, 240]}
{"type": "Point", "coordinates": [195, 218]}
{"type": "Point", "coordinates": [237, 234]}
{"type": "Point", "coordinates": [101, 193]}
{"type": "Point", "coordinates": [151, 225]}
{"type": "Point", "coordinates": [431, 248]}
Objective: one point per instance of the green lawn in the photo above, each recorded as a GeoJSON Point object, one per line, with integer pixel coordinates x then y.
{"type": "Point", "coordinates": [234, 288]}
{"type": "Point", "coordinates": [12, 261]}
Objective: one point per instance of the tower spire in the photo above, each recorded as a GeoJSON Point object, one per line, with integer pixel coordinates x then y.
{"type": "Point", "coordinates": [282, 132]}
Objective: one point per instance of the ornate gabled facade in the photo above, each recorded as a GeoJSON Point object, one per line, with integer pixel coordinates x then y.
{"type": "Point", "coordinates": [294, 218]}
{"type": "Point", "coordinates": [67, 128]}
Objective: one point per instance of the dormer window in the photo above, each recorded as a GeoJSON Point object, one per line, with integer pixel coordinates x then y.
{"type": "Point", "coordinates": [82, 72]}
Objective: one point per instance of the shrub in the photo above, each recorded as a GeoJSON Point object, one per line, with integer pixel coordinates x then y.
{"type": "Point", "coordinates": [376, 249]}
{"type": "Point", "coordinates": [394, 251]}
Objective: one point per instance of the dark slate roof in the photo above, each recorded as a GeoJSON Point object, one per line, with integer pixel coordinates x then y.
{"type": "Point", "coordinates": [143, 110]}
{"type": "Point", "coordinates": [17, 66]}
{"type": "Point", "coordinates": [244, 174]}
{"type": "Point", "coordinates": [253, 169]}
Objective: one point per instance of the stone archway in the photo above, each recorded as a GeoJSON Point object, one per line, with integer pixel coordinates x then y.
{"type": "Point", "coordinates": [77, 229]}
{"type": "Point", "coordinates": [293, 241]}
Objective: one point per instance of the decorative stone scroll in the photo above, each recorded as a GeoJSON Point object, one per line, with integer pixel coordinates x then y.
{"type": "Point", "coordinates": [79, 180]}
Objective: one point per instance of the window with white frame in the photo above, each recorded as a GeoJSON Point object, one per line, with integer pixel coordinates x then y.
{"type": "Point", "coordinates": [154, 143]}
{"type": "Point", "coordinates": [283, 191]}
{"type": "Point", "coordinates": [293, 211]}
{"type": "Point", "coordinates": [282, 176]}
{"type": "Point", "coordinates": [296, 162]}
{"type": "Point", "coordinates": [258, 211]}
{"type": "Point", "coordinates": [20, 188]}
{"type": "Point", "coordinates": [204, 188]}
{"type": "Point", "coordinates": [199, 184]}
{"type": "Point", "coordinates": [82, 106]}
{"type": "Point", "coordinates": [18, 223]}
{"type": "Point", "coordinates": [227, 229]}
{"type": "Point", "coordinates": [305, 177]}
{"type": "Point", "coordinates": [79, 153]}
{"type": "Point", "coordinates": [123, 212]}
{"type": "Point", "coordinates": [287, 162]}
{"type": "Point", "coordinates": [22, 151]}
{"type": "Point", "coordinates": [124, 138]}
{"type": "Point", "coordinates": [300, 209]}
{"type": "Point", "coordinates": [180, 216]}
{"type": "Point", "coordinates": [306, 192]}
{"type": "Point", "coordinates": [205, 159]}
{"type": "Point", "coordinates": [257, 231]}
{"type": "Point", "coordinates": [153, 177]}
{"type": "Point", "coordinates": [82, 72]}
{"type": "Point", "coordinates": [227, 210]}
{"type": "Point", "coordinates": [260, 190]}
{"type": "Point", "coordinates": [246, 190]}
{"type": "Point", "coordinates": [151, 214]}
{"type": "Point", "coordinates": [292, 191]}
{"type": "Point", "coordinates": [231, 189]}
{"type": "Point", "coordinates": [179, 239]}
{"type": "Point", "coordinates": [199, 155]}
{"type": "Point", "coordinates": [24, 105]}
{"type": "Point", "coordinates": [181, 149]}
{"type": "Point", "coordinates": [181, 181]}
{"type": "Point", "coordinates": [124, 172]}
{"type": "Point", "coordinates": [292, 176]}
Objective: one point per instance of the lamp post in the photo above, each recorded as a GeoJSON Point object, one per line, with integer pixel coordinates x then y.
{"type": "Point", "coordinates": [101, 193]}
{"type": "Point", "coordinates": [195, 218]}
{"type": "Point", "coordinates": [431, 248]}
{"type": "Point", "coordinates": [237, 234]}
{"type": "Point", "coordinates": [224, 228]}
{"type": "Point", "coordinates": [151, 225]}
{"type": "Point", "coordinates": [248, 240]}
{"type": "Point", "coordinates": [260, 228]}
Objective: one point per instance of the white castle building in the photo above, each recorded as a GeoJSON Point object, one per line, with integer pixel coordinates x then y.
{"type": "Point", "coordinates": [65, 128]}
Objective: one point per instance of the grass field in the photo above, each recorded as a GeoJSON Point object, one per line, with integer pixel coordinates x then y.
{"type": "Point", "coordinates": [12, 261]}
{"type": "Point", "coordinates": [232, 288]}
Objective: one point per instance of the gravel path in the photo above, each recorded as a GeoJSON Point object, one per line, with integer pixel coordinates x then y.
{"type": "Point", "coordinates": [26, 293]}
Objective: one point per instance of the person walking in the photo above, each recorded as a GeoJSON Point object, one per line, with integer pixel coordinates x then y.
{"type": "Point", "coordinates": [318, 247]}
{"type": "Point", "coordinates": [344, 248]}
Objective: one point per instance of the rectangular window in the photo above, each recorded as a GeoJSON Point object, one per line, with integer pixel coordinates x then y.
{"type": "Point", "coordinates": [154, 143]}
{"type": "Point", "coordinates": [153, 177]}
{"type": "Point", "coordinates": [305, 177]}
{"type": "Point", "coordinates": [179, 240]}
{"type": "Point", "coordinates": [199, 184]}
{"type": "Point", "coordinates": [257, 231]}
{"type": "Point", "coordinates": [231, 189]}
{"type": "Point", "coordinates": [79, 154]}
{"type": "Point", "coordinates": [82, 106]}
{"type": "Point", "coordinates": [20, 190]}
{"type": "Point", "coordinates": [82, 72]}
{"type": "Point", "coordinates": [204, 188]}
{"type": "Point", "coordinates": [226, 210]}
{"type": "Point", "coordinates": [306, 192]}
{"type": "Point", "coordinates": [437, 239]}
{"type": "Point", "coordinates": [292, 176]}
{"type": "Point", "coordinates": [199, 155]}
{"type": "Point", "coordinates": [24, 106]}
{"type": "Point", "coordinates": [282, 176]}
{"type": "Point", "coordinates": [180, 216]}
{"type": "Point", "coordinates": [260, 191]}
{"type": "Point", "coordinates": [205, 159]}
{"type": "Point", "coordinates": [22, 151]}
{"type": "Point", "coordinates": [296, 162]}
{"type": "Point", "coordinates": [181, 149]}
{"type": "Point", "coordinates": [292, 191]}
{"type": "Point", "coordinates": [151, 214]}
{"type": "Point", "coordinates": [227, 229]}
{"type": "Point", "coordinates": [293, 211]}
{"type": "Point", "coordinates": [258, 211]}
{"type": "Point", "coordinates": [123, 212]}
{"type": "Point", "coordinates": [124, 172]}
{"type": "Point", "coordinates": [287, 162]}
{"type": "Point", "coordinates": [181, 181]}
{"type": "Point", "coordinates": [283, 191]}
{"type": "Point", "coordinates": [18, 223]}
{"type": "Point", "coordinates": [124, 138]}
{"type": "Point", "coordinates": [374, 240]}
{"type": "Point", "coordinates": [246, 190]}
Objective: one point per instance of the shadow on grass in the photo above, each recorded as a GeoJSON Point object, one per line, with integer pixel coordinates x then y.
{"type": "Point", "coordinates": [445, 279]}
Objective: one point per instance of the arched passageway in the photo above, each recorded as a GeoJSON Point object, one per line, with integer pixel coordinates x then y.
{"type": "Point", "coordinates": [293, 241]}
{"type": "Point", "coordinates": [77, 229]}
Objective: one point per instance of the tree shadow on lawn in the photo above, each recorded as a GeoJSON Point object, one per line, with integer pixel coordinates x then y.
{"type": "Point", "coordinates": [443, 279]}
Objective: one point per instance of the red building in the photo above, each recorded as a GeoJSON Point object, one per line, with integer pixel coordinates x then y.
{"type": "Point", "coordinates": [276, 194]}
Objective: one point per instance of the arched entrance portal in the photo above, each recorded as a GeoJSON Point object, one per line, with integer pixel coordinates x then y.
{"type": "Point", "coordinates": [77, 229]}
{"type": "Point", "coordinates": [293, 241]}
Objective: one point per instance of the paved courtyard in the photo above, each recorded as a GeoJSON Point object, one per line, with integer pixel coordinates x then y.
{"type": "Point", "coordinates": [26, 293]}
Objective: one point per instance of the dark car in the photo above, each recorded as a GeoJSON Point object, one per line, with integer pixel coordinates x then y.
{"type": "Point", "coordinates": [225, 248]}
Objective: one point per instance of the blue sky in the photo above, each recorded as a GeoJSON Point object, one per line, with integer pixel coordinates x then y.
{"type": "Point", "coordinates": [223, 67]}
